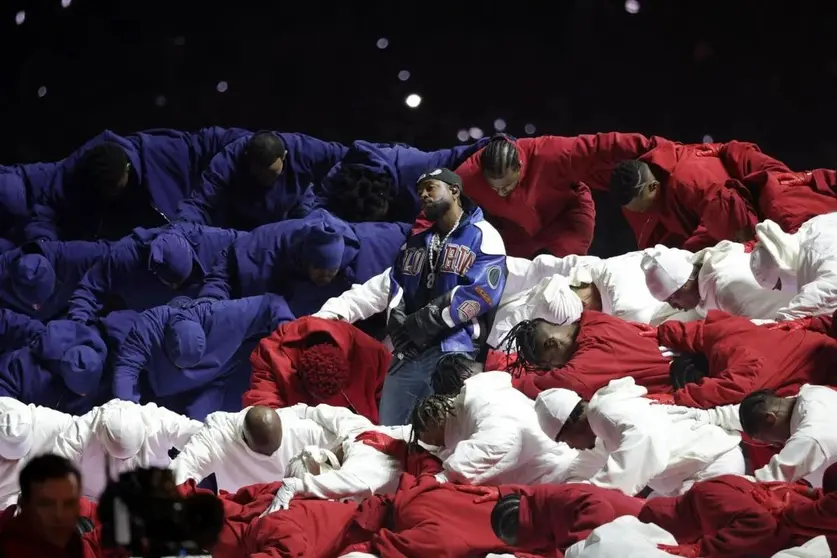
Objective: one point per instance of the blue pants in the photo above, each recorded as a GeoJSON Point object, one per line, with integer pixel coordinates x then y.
{"type": "Point", "coordinates": [406, 384]}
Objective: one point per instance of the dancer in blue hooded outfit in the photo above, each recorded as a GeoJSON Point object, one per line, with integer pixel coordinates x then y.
{"type": "Point", "coordinates": [307, 261]}
{"type": "Point", "coordinates": [148, 269]}
{"type": "Point", "coordinates": [114, 183]}
{"type": "Point", "coordinates": [259, 179]}
{"type": "Point", "coordinates": [17, 330]}
{"type": "Point", "coordinates": [60, 369]}
{"type": "Point", "coordinates": [38, 278]}
{"type": "Point", "coordinates": [14, 209]}
{"type": "Point", "coordinates": [376, 181]}
{"type": "Point", "coordinates": [189, 359]}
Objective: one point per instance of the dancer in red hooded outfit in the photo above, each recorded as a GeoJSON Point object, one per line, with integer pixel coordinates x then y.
{"type": "Point", "coordinates": [536, 191]}
{"type": "Point", "coordinates": [313, 361]}
{"type": "Point", "coordinates": [801, 520]}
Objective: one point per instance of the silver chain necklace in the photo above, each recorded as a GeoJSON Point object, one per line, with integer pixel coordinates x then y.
{"type": "Point", "coordinates": [434, 253]}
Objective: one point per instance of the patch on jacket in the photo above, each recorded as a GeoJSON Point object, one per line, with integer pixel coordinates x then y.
{"type": "Point", "coordinates": [484, 295]}
{"type": "Point", "coordinates": [493, 276]}
{"type": "Point", "coordinates": [468, 310]}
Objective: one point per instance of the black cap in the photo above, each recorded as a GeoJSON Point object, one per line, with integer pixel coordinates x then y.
{"type": "Point", "coordinates": [444, 175]}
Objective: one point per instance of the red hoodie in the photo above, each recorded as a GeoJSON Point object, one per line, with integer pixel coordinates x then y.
{"type": "Point", "coordinates": [274, 381]}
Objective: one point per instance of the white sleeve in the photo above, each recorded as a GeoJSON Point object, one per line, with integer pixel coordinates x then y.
{"type": "Point", "coordinates": [176, 428]}
{"type": "Point", "coordinates": [362, 475]}
{"type": "Point", "coordinates": [726, 417]}
{"type": "Point", "coordinates": [638, 456]}
{"type": "Point", "coordinates": [818, 296]}
{"type": "Point", "coordinates": [71, 441]}
{"type": "Point", "coordinates": [479, 459]}
{"type": "Point", "coordinates": [199, 456]}
{"type": "Point", "coordinates": [339, 420]}
{"type": "Point", "coordinates": [359, 302]}
{"type": "Point", "coordinates": [801, 456]}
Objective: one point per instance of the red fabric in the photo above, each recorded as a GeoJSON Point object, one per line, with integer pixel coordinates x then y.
{"type": "Point", "coordinates": [721, 515]}
{"type": "Point", "coordinates": [417, 462]}
{"type": "Point", "coordinates": [499, 360]}
{"type": "Point", "coordinates": [744, 357]}
{"type": "Point", "coordinates": [17, 538]}
{"type": "Point", "coordinates": [792, 199]}
{"type": "Point", "coordinates": [606, 348]}
{"type": "Point", "coordinates": [758, 455]}
{"type": "Point", "coordinates": [432, 519]}
{"type": "Point", "coordinates": [549, 191]}
{"type": "Point", "coordinates": [698, 200]}
{"type": "Point", "coordinates": [274, 381]}
{"type": "Point", "coordinates": [560, 515]}
{"type": "Point", "coordinates": [803, 520]}
{"type": "Point", "coordinates": [649, 231]}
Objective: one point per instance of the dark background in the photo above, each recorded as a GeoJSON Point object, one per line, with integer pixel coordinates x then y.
{"type": "Point", "coordinates": [754, 70]}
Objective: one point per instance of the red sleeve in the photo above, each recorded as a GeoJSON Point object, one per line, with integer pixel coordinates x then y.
{"type": "Point", "coordinates": [88, 509]}
{"type": "Point", "coordinates": [572, 230]}
{"type": "Point", "coordinates": [591, 512]}
{"type": "Point", "coordinates": [742, 159]}
{"type": "Point", "coordinates": [745, 373]}
{"type": "Point", "coordinates": [699, 240]}
{"type": "Point", "coordinates": [720, 207]}
{"type": "Point", "coordinates": [270, 369]}
{"type": "Point", "coordinates": [584, 374]}
{"type": "Point", "coordinates": [591, 158]}
{"type": "Point", "coordinates": [741, 525]}
{"type": "Point", "coordinates": [684, 337]}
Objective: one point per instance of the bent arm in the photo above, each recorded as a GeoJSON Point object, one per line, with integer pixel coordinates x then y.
{"type": "Point", "coordinates": [361, 301]}
{"type": "Point", "coordinates": [801, 456]}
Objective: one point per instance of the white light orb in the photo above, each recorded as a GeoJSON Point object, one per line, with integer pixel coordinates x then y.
{"type": "Point", "coordinates": [66, 3]}
{"type": "Point", "coordinates": [475, 133]}
{"type": "Point", "coordinates": [708, 139]}
{"type": "Point", "coordinates": [42, 91]}
{"type": "Point", "coordinates": [463, 135]}
{"type": "Point", "coordinates": [413, 100]}
{"type": "Point", "coordinates": [20, 17]}
{"type": "Point", "coordinates": [382, 43]}
{"type": "Point", "coordinates": [632, 6]}
{"type": "Point", "coordinates": [403, 75]}
{"type": "Point", "coordinates": [529, 129]}
{"type": "Point", "coordinates": [499, 124]}
{"type": "Point", "coordinates": [221, 87]}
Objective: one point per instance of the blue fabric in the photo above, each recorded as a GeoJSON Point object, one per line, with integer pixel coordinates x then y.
{"type": "Point", "coordinates": [69, 261]}
{"type": "Point", "coordinates": [323, 247]}
{"type": "Point", "coordinates": [32, 279]}
{"type": "Point", "coordinates": [273, 258]}
{"type": "Point", "coordinates": [166, 164]}
{"type": "Point", "coordinates": [402, 163]}
{"type": "Point", "coordinates": [124, 278]}
{"type": "Point", "coordinates": [228, 197]}
{"type": "Point", "coordinates": [49, 370]}
{"type": "Point", "coordinates": [17, 330]}
{"type": "Point", "coordinates": [185, 342]}
{"type": "Point", "coordinates": [170, 258]}
{"type": "Point", "coordinates": [14, 208]}
{"type": "Point", "coordinates": [6, 245]}
{"type": "Point", "coordinates": [227, 325]}
{"type": "Point", "coordinates": [473, 280]}
{"type": "Point", "coordinates": [407, 383]}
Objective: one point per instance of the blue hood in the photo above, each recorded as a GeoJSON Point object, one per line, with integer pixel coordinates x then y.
{"type": "Point", "coordinates": [312, 226]}
{"type": "Point", "coordinates": [366, 155]}
{"type": "Point", "coordinates": [73, 351]}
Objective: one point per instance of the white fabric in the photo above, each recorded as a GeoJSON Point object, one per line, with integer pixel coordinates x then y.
{"type": "Point", "coordinates": [364, 471]}
{"type": "Point", "coordinates": [776, 254]}
{"type": "Point", "coordinates": [726, 416]}
{"type": "Point", "coordinates": [815, 548]}
{"type": "Point", "coordinates": [726, 283]}
{"type": "Point", "coordinates": [313, 460]}
{"type": "Point", "coordinates": [219, 448]}
{"type": "Point", "coordinates": [494, 437]}
{"type": "Point", "coordinates": [122, 430]}
{"type": "Point", "coordinates": [812, 446]}
{"type": "Point", "coordinates": [360, 302]}
{"type": "Point", "coordinates": [666, 271]}
{"type": "Point", "coordinates": [815, 275]}
{"type": "Point", "coordinates": [48, 426]}
{"type": "Point", "coordinates": [16, 425]}
{"type": "Point", "coordinates": [624, 537]}
{"type": "Point", "coordinates": [622, 288]}
{"type": "Point", "coordinates": [554, 407]}
{"type": "Point", "coordinates": [524, 274]}
{"type": "Point", "coordinates": [645, 447]}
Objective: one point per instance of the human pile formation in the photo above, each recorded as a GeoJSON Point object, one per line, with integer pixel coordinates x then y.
{"type": "Point", "coordinates": [373, 350]}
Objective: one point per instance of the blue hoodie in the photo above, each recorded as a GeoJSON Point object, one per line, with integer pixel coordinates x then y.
{"type": "Point", "coordinates": [275, 258]}
{"type": "Point", "coordinates": [228, 197]}
{"type": "Point", "coordinates": [17, 330]}
{"type": "Point", "coordinates": [403, 164]}
{"type": "Point", "coordinates": [149, 269]}
{"type": "Point", "coordinates": [38, 278]}
{"type": "Point", "coordinates": [176, 354]}
{"type": "Point", "coordinates": [61, 369]}
{"type": "Point", "coordinates": [14, 207]}
{"type": "Point", "coordinates": [165, 166]}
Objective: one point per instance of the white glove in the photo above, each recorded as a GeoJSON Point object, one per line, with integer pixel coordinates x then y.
{"type": "Point", "coordinates": [281, 501]}
{"type": "Point", "coordinates": [725, 416]}
{"type": "Point", "coordinates": [699, 417]}
{"type": "Point", "coordinates": [328, 316]}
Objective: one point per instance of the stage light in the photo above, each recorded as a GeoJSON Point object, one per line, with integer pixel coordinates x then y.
{"type": "Point", "coordinates": [413, 100]}
{"type": "Point", "coordinates": [632, 6]}
{"type": "Point", "coordinates": [708, 139]}
{"type": "Point", "coordinates": [403, 75]}
{"type": "Point", "coordinates": [499, 124]}
{"type": "Point", "coordinates": [221, 87]}
{"type": "Point", "coordinates": [463, 135]}
{"type": "Point", "coordinates": [529, 129]}
{"type": "Point", "coordinates": [382, 43]}
{"type": "Point", "coordinates": [160, 100]}
{"type": "Point", "coordinates": [42, 91]}
{"type": "Point", "coordinates": [475, 133]}
{"type": "Point", "coordinates": [66, 3]}
{"type": "Point", "coordinates": [20, 17]}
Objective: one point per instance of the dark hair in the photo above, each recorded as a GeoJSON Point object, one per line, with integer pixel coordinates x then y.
{"type": "Point", "coordinates": [432, 410]}
{"type": "Point", "coordinates": [521, 340]}
{"type": "Point", "coordinates": [43, 468]}
{"type": "Point", "coordinates": [451, 372]}
{"type": "Point", "coordinates": [753, 408]}
{"type": "Point", "coordinates": [499, 156]}
{"type": "Point", "coordinates": [358, 194]}
{"type": "Point", "coordinates": [688, 368]}
{"type": "Point", "coordinates": [264, 148]}
{"type": "Point", "coordinates": [626, 179]}
{"type": "Point", "coordinates": [103, 166]}
{"type": "Point", "coordinates": [505, 518]}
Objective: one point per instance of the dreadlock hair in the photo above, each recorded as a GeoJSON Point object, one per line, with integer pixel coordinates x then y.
{"type": "Point", "coordinates": [499, 156]}
{"type": "Point", "coordinates": [323, 369]}
{"type": "Point", "coordinates": [103, 166]}
{"type": "Point", "coordinates": [432, 410]}
{"type": "Point", "coordinates": [753, 409]}
{"type": "Point", "coordinates": [451, 372]}
{"type": "Point", "coordinates": [521, 340]}
{"type": "Point", "coordinates": [688, 368]}
{"type": "Point", "coordinates": [264, 148]}
{"type": "Point", "coordinates": [627, 179]}
{"type": "Point", "coordinates": [359, 194]}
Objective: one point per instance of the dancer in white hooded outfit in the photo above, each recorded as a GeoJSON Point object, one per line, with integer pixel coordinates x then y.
{"type": "Point", "coordinates": [802, 265]}
{"type": "Point", "coordinates": [638, 443]}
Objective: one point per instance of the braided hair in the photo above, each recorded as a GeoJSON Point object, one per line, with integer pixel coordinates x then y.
{"type": "Point", "coordinates": [499, 157]}
{"type": "Point", "coordinates": [753, 408]}
{"type": "Point", "coordinates": [432, 410]}
{"type": "Point", "coordinates": [359, 194]}
{"type": "Point", "coordinates": [521, 340]}
{"type": "Point", "coordinates": [627, 180]}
